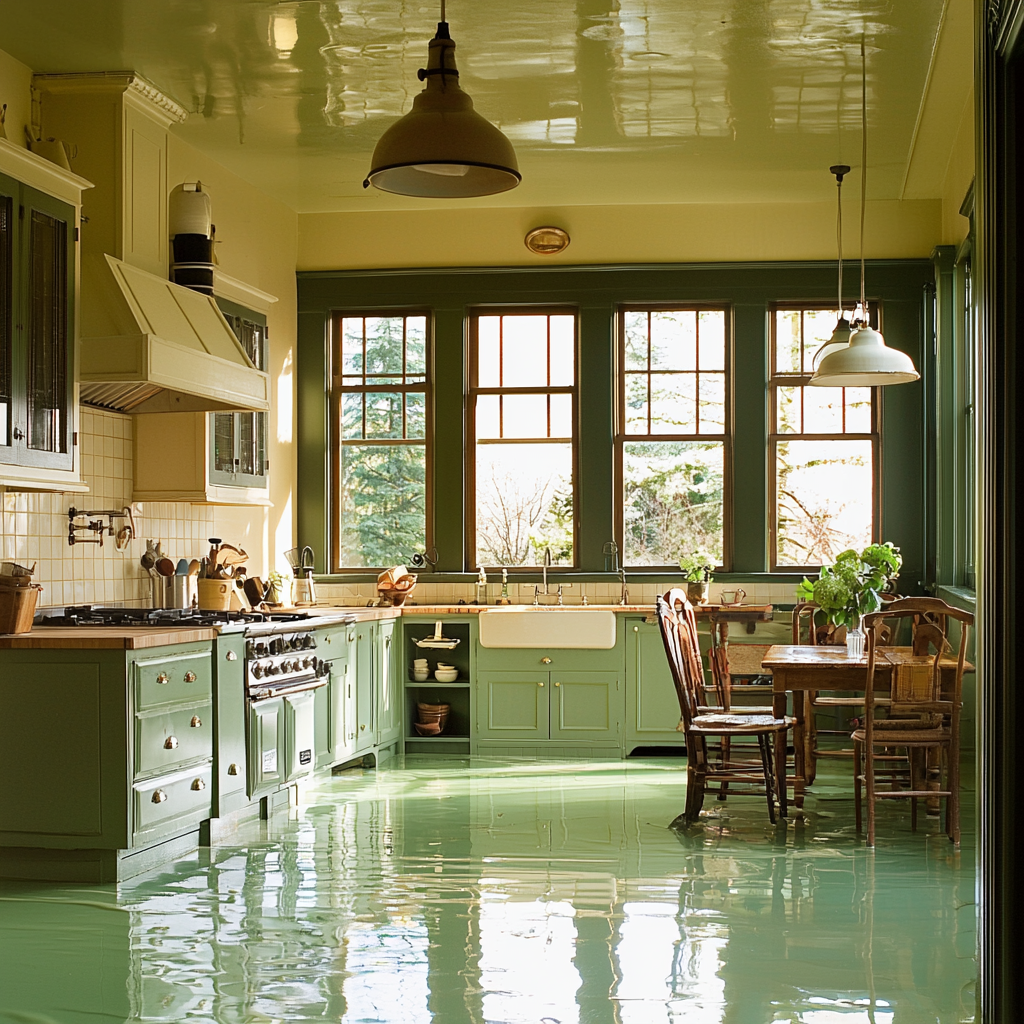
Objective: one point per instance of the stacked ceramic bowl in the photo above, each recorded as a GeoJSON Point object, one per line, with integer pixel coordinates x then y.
{"type": "Point", "coordinates": [420, 670]}
{"type": "Point", "coordinates": [446, 673]}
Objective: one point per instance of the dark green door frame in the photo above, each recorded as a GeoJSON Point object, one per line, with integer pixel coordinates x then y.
{"type": "Point", "coordinates": [999, 223]}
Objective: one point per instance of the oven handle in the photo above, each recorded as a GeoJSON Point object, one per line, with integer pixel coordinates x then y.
{"type": "Point", "coordinates": [271, 694]}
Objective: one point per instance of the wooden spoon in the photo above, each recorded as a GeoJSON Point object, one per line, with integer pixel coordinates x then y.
{"type": "Point", "coordinates": [165, 566]}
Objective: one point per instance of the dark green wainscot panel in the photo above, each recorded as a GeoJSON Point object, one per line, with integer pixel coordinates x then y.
{"type": "Point", "coordinates": [107, 759]}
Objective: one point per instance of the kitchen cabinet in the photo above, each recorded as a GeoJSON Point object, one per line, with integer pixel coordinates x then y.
{"type": "Point", "coordinates": [219, 458]}
{"type": "Point", "coordinates": [336, 702]}
{"type": "Point", "coordinates": [389, 717]}
{"type": "Point", "coordinates": [229, 724]}
{"type": "Point", "coordinates": [652, 709]}
{"type": "Point", "coordinates": [107, 759]}
{"type": "Point", "coordinates": [38, 267]}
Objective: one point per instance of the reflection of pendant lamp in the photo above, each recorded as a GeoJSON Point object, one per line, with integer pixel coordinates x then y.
{"type": "Point", "coordinates": [841, 334]}
{"type": "Point", "coordinates": [866, 361]}
{"type": "Point", "coordinates": [443, 149]}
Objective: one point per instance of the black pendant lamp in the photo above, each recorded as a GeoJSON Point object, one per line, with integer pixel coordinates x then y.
{"type": "Point", "coordinates": [443, 149]}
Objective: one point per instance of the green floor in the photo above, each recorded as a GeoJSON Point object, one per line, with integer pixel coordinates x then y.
{"type": "Point", "coordinates": [482, 890]}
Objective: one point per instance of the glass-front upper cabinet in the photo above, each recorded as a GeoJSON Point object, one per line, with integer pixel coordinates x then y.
{"type": "Point", "coordinates": [238, 440]}
{"type": "Point", "coordinates": [36, 337]}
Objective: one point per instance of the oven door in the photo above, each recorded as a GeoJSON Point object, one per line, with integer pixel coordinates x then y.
{"type": "Point", "coordinates": [300, 733]}
{"type": "Point", "coordinates": [266, 746]}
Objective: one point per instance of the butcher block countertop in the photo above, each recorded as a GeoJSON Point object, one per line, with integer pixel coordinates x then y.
{"type": "Point", "coordinates": [126, 638]}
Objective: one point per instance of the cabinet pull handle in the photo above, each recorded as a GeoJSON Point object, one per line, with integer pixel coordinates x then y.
{"type": "Point", "coordinates": [163, 678]}
{"type": "Point", "coordinates": [231, 656]}
{"type": "Point", "coordinates": [170, 743]}
{"type": "Point", "coordinates": [232, 769]}
{"type": "Point", "coordinates": [351, 637]}
{"type": "Point", "coordinates": [198, 784]}
{"type": "Point", "coordinates": [196, 722]}
{"type": "Point", "coordinates": [190, 677]}
{"type": "Point", "coordinates": [159, 796]}
{"type": "Point", "coordinates": [545, 661]}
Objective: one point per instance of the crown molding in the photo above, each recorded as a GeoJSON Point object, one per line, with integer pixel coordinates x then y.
{"type": "Point", "coordinates": [133, 86]}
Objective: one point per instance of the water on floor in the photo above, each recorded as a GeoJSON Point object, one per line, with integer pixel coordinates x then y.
{"type": "Point", "coordinates": [489, 891]}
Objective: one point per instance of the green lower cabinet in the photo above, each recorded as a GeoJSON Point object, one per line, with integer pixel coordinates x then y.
{"type": "Point", "coordinates": [567, 710]}
{"type": "Point", "coordinates": [388, 685]}
{"type": "Point", "coordinates": [229, 724]}
{"type": "Point", "coordinates": [652, 710]}
{"type": "Point", "coordinates": [366, 694]}
{"type": "Point", "coordinates": [512, 706]}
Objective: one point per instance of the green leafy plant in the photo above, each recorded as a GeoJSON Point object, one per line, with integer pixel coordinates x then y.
{"type": "Point", "coordinates": [697, 568]}
{"type": "Point", "coordinates": [853, 585]}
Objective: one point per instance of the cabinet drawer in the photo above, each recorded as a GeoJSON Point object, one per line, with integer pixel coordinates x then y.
{"type": "Point", "coordinates": [184, 797]}
{"type": "Point", "coordinates": [174, 680]}
{"type": "Point", "coordinates": [166, 740]}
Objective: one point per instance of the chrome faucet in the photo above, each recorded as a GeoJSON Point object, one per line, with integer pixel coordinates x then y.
{"type": "Point", "coordinates": [546, 592]}
{"type": "Point", "coordinates": [624, 598]}
{"type": "Point", "coordinates": [544, 570]}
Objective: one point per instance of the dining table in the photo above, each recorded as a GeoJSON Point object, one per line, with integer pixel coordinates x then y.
{"type": "Point", "coordinates": [801, 669]}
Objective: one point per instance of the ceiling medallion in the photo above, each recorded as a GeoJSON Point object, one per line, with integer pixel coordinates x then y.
{"type": "Point", "coordinates": [547, 241]}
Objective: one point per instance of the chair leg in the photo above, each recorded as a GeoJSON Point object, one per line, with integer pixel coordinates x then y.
{"type": "Point", "coordinates": [869, 778]}
{"type": "Point", "coordinates": [810, 737]}
{"type": "Point", "coordinates": [723, 787]}
{"type": "Point", "coordinates": [696, 783]}
{"type": "Point", "coordinates": [953, 800]}
{"type": "Point", "coordinates": [769, 781]}
{"type": "Point", "coordinates": [857, 793]}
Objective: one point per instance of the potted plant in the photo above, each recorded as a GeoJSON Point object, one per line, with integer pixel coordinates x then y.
{"type": "Point", "coordinates": [279, 588]}
{"type": "Point", "coordinates": [697, 569]}
{"type": "Point", "coordinates": [853, 586]}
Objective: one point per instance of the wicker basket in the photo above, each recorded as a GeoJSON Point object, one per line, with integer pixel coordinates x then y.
{"type": "Point", "coordinates": [17, 607]}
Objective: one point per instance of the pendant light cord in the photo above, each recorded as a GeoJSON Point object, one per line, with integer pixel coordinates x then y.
{"type": "Point", "coordinates": [443, 18]}
{"type": "Point", "coordinates": [863, 168]}
{"type": "Point", "coordinates": [839, 237]}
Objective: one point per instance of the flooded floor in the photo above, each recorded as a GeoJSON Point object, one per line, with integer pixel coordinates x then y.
{"type": "Point", "coordinates": [452, 890]}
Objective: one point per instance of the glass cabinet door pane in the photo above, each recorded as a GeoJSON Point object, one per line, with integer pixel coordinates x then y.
{"type": "Point", "coordinates": [224, 442]}
{"type": "Point", "coordinates": [47, 335]}
{"type": "Point", "coordinates": [6, 315]}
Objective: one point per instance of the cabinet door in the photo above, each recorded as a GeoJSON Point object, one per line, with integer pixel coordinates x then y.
{"type": "Point", "coordinates": [586, 706]}
{"type": "Point", "coordinates": [365, 689]}
{"type": "Point", "coordinates": [266, 745]}
{"type": "Point", "coordinates": [512, 705]}
{"type": "Point", "coordinates": [389, 721]}
{"type": "Point", "coordinates": [229, 713]}
{"type": "Point", "coordinates": [652, 710]}
{"type": "Point", "coordinates": [8, 247]}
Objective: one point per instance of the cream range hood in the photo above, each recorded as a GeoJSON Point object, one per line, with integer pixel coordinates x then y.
{"type": "Point", "coordinates": [149, 345]}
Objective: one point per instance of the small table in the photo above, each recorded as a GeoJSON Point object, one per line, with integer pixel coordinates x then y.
{"type": "Point", "coordinates": [802, 668]}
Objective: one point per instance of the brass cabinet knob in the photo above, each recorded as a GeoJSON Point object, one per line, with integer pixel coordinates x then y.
{"type": "Point", "coordinates": [545, 661]}
{"type": "Point", "coordinates": [232, 769]}
{"type": "Point", "coordinates": [362, 728]}
{"type": "Point", "coordinates": [231, 656]}
{"type": "Point", "coordinates": [198, 784]}
{"type": "Point", "coordinates": [163, 678]}
{"type": "Point", "coordinates": [558, 684]}
{"type": "Point", "coordinates": [190, 677]}
{"type": "Point", "coordinates": [540, 684]}
{"type": "Point", "coordinates": [196, 722]}
{"type": "Point", "coordinates": [159, 796]}
{"type": "Point", "coordinates": [170, 743]}
{"type": "Point", "coordinates": [636, 629]}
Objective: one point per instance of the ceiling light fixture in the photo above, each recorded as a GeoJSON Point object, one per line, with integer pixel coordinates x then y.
{"type": "Point", "coordinates": [866, 361]}
{"type": "Point", "coordinates": [443, 149]}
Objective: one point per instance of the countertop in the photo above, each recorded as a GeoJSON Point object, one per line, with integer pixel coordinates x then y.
{"type": "Point", "coordinates": [134, 638]}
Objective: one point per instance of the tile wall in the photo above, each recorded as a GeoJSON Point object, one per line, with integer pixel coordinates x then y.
{"type": "Point", "coordinates": [34, 527]}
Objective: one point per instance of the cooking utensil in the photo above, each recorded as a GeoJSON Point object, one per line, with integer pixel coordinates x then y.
{"type": "Point", "coordinates": [306, 560]}
{"type": "Point", "coordinates": [215, 543]}
{"type": "Point", "coordinates": [228, 554]}
{"type": "Point", "coordinates": [294, 559]}
{"type": "Point", "coordinates": [148, 560]}
{"type": "Point", "coordinates": [165, 566]}
{"type": "Point", "coordinates": [181, 569]}
{"type": "Point", "coordinates": [254, 590]}
{"type": "Point", "coordinates": [194, 566]}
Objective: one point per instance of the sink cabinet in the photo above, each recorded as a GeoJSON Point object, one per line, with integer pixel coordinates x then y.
{"type": "Point", "coordinates": [652, 709]}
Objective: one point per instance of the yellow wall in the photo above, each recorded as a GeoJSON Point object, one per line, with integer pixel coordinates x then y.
{"type": "Point", "coordinates": [959, 175]}
{"type": "Point", "coordinates": [612, 234]}
{"type": "Point", "coordinates": [15, 91]}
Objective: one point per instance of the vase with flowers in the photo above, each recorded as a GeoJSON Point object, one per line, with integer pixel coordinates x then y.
{"type": "Point", "coordinates": [853, 586]}
{"type": "Point", "coordinates": [697, 569]}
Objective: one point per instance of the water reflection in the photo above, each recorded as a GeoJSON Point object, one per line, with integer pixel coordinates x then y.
{"type": "Point", "coordinates": [456, 891]}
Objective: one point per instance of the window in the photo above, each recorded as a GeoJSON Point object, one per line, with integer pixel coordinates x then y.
{"type": "Point", "coordinates": [822, 449]}
{"type": "Point", "coordinates": [673, 432]}
{"type": "Point", "coordinates": [522, 428]}
{"type": "Point", "coordinates": [380, 426]}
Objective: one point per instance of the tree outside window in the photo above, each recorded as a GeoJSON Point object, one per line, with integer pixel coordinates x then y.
{"type": "Point", "coordinates": [673, 432]}
{"type": "Point", "coordinates": [823, 448]}
{"type": "Point", "coordinates": [522, 426]}
{"type": "Point", "coordinates": [380, 429]}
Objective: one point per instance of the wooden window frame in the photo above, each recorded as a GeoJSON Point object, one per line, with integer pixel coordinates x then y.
{"type": "Point", "coordinates": [621, 438]}
{"type": "Point", "coordinates": [774, 382]}
{"type": "Point", "coordinates": [473, 391]}
{"type": "Point", "coordinates": [336, 443]}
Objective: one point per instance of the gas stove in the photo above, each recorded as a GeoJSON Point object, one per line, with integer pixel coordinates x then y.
{"type": "Point", "coordinates": [90, 615]}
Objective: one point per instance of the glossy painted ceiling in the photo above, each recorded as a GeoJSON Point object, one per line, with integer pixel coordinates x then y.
{"type": "Point", "coordinates": [635, 101]}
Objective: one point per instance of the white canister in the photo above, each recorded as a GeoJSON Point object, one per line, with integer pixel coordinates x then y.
{"type": "Point", "coordinates": [188, 210]}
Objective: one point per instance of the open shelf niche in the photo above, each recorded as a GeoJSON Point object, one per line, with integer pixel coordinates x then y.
{"type": "Point", "coordinates": [455, 738]}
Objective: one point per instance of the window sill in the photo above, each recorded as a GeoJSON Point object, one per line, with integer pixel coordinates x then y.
{"type": "Point", "coordinates": [959, 597]}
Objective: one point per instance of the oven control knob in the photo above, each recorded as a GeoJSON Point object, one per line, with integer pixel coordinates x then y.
{"type": "Point", "coordinates": [309, 642]}
{"type": "Point", "coordinates": [288, 666]}
{"type": "Point", "coordinates": [250, 649]}
{"type": "Point", "coordinates": [261, 650]}
{"type": "Point", "coordinates": [257, 671]}
{"type": "Point", "coordinates": [307, 662]}
{"type": "Point", "coordinates": [322, 668]}
{"type": "Point", "coordinates": [272, 669]}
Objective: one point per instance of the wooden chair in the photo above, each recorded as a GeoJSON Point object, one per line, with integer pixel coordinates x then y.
{"type": "Point", "coordinates": [701, 722]}
{"type": "Point", "coordinates": [923, 716]}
